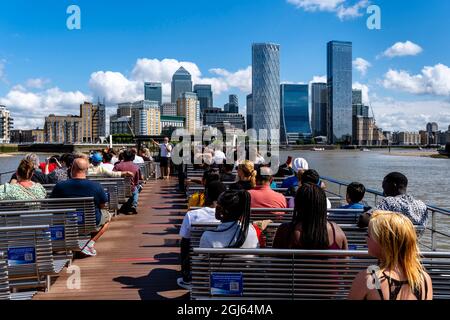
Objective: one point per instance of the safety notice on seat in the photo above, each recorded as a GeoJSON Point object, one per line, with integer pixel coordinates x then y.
{"type": "Point", "coordinates": [21, 256]}
{"type": "Point", "coordinates": [57, 232]}
{"type": "Point", "coordinates": [80, 217]}
{"type": "Point", "coordinates": [226, 284]}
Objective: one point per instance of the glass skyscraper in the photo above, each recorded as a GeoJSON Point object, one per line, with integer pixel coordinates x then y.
{"type": "Point", "coordinates": [153, 92]}
{"type": "Point", "coordinates": [294, 110]}
{"type": "Point", "coordinates": [339, 83]}
{"type": "Point", "coordinates": [250, 111]}
{"type": "Point", "coordinates": [319, 98]}
{"type": "Point", "coordinates": [266, 88]}
{"type": "Point", "coordinates": [181, 83]}
{"type": "Point", "coordinates": [204, 95]}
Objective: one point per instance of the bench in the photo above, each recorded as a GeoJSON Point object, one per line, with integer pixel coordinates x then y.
{"type": "Point", "coordinates": [270, 274]}
{"type": "Point", "coordinates": [123, 186]}
{"type": "Point", "coordinates": [30, 256]}
{"type": "Point", "coordinates": [4, 283]}
{"type": "Point", "coordinates": [85, 212]}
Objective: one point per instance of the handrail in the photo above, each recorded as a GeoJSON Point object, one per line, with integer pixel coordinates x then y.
{"type": "Point", "coordinates": [5, 173]}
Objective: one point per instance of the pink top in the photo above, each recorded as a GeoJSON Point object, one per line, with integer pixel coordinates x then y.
{"type": "Point", "coordinates": [265, 197]}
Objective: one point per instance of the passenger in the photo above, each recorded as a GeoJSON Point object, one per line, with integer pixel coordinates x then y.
{"type": "Point", "coordinates": [62, 172]}
{"type": "Point", "coordinates": [127, 165]}
{"type": "Point", "coordinates": [355, 194]}
{"type": "Point", "coordinates": [286, 170]}
{"type": "Point", "coordinates": [137, 158]}
{"type": "Point", "coordinates": [96, 169]}
{"type": "Point", "coordinates": [107, 161]}
{"type": "Point", "coordinates": [198, 198]}
{"type": "Point", "coordinates": [263, 196]}
{"type": "Point", "coordinates": [79, 187]}
{"type": "Point", "coordinates": [235, 231]}
{"type": "Point", "coordinates": [246, 176]}
{"type": "Point", "coordinates": [310, 228]}
{"type": "Point", "coordinates": [393, 241]}
{"type": "Point", "coordinates": [38, 176]}
{"type": "Point", "coordinates": [299, 164]}
{"type": "Point", "coordinates": [312, 177]}
{"type": "Point", "coordinates": [146, 155]}
{"type": "Point", "coordinates": [166, 155]}
{"type": "Point", "coordinates": [219, 157]}
{"type": "Point", "coordinates": [50, 164]}
{"type": "Point", "coordinates": [227, 175]}
{"type": "Point", "coordinates": [398, 200]}
{"type": "Point", "coordinates": [204, 215]}
{"type": "Point", "coordinates": [24, 188]}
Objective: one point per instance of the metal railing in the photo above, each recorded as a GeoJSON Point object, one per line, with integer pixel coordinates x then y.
{"type": "Point", "coordinates": [3, 174]}
{"type": "Point", "coordinates": [437, 214]}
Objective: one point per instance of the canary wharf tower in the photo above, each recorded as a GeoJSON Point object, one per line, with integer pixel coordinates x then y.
{"type": "Point", "coordinates": [266, 88]}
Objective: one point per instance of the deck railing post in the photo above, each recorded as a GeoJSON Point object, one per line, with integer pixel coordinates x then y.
{"type": "Point", "coordinates": [433, 231]}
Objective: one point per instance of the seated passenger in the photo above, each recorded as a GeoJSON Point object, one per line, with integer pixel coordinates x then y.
{"type": "Point", "coordinates": [393, 241]}
{"type": "Point", "coordinates": [246, 176]}
{"type": "Point", "coordinates": [355, 194]}
{"type": "Point", "coordinates": [263, 196]}
{"type": "Point", "coordinates": [62, 172]}
{"type": "Point", "coordinates": [227, 175]}
{"type": "Point", "coordinates": [235, 231]}
{"type": "Point", "coordinates": [286, 170]}
{"type": "Point", "coordinates": [79, 187]}
{"type": "Point", "coordinates": [398, 200]}
{"type": "Point", "coordinates": [23, 188]}
{"type": "Point", "coordinates": [38, 176]}
{"type": "Point", "coordinates": [198, 198]}
{"type": "Point", "coordinates": [299, 164]}
{"type": "Point", "coordinates": [310, 228]}
{"type": "Point", "coordinates": [204, 215]}
{"type": "Point", "coordinates": [312, 177]}
{"type": "Point", "coordinates": [96, 168]}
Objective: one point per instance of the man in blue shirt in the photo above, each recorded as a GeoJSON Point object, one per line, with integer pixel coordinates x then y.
{"type": "Point", "coordinates": [355, 194]}
{"type": "Point", "coordinates": [298, 164]}
{"type": "Point", "coordinates": [79, 187]}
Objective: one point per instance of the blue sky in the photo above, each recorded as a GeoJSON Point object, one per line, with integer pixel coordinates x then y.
{"type": "Point", "coordinates": [46, 68]}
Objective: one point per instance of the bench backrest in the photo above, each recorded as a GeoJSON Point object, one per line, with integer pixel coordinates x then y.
{"type": "Point", "coordinates": [293, 274]}
{"type": "Point", "coordinates": [123, 186]}
{"type": "Point", "coordinates": [85, 210]}
{"type": "Point", "coordinates": [4, 282]}
{"type": "Point", "coordinates": [29, 252]}
{"type": "Point", "coordinates": [63, 225]}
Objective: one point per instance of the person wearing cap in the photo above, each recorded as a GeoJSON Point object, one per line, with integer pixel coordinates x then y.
{"type": "Point", "coordinates": [95, 168]}
{"type": "Point", "coordinates": [299, 165]}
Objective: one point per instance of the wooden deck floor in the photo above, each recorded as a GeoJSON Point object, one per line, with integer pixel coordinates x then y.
{"type": "Point", "coordinates": [137, 258]}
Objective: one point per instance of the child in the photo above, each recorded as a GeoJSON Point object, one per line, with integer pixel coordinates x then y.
{"type": "Point", "coordinates": [355, 194]}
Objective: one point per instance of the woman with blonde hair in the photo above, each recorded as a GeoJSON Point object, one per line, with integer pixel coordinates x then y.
{"type": "Point", "coordinates": [400, 274]}
{"type": "Point", "coordinates": [246, 176]}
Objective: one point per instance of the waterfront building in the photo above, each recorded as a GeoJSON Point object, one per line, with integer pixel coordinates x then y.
{"type": "Point", "coordinates": [145, 118]}
{"type": "Point", "coordinates": [170, 124]}
{"type": "Point", "coordinates": [204, 96]}
{"type": "Point", "coordinates": [153, 92]}
{"type": "Point", "coordinates": [319, 98]}
{"type": "Point", "coordinates": [366, 132]}
{"type": "Point", "coordinates": [169, 109]}
{"type": "Point", "coordinates": [250, 111]}
{"type": "Point", "coordinates": [181, 83]}
{"type": "Point", "coordinates": [6, 124]}
{"type": "Point", "coordinates": [294, 115]}
{"type": "Point", "coordinates": [339, 85]}
{"type": "Point", "coordinates": [120, 125]}
{"type": "Point", "coordinates": [215, 117]}
{"type": "Point", "coordinates": [188, 106]}
{"type": "Point", "coordinates": [93, 122]}
{"type": "Point", "coordinates": [124, 109]}
{"type": "Point", "coordinates": [406, 138]}
{"type": "Point", "coordinates": [27, 136]}
{"type": "Point", "coordinates": [63, 129]}
{"type": "Point", "coordinates": [266, 89]}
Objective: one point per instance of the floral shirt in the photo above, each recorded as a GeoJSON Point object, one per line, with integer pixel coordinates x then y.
{"type": "Point", "coordinates": [18, 192]}
{"type": "Point", "coordinates": [414, 209]}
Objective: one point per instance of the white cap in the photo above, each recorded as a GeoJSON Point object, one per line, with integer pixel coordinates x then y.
{"type": "Point", "coordinates": [300, 163]}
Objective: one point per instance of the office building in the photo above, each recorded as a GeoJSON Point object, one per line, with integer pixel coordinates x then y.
{"type": "Point", "coordinates": [215, 117]}
{"type": "Point", "coordinates": [319, 99]}
{"type": "Point", "coordinates": [27, 136]}
{"type": "Point", "coordinates": [339, 85]}
{"type": "Point", "coordinates": [171, 123]}
{"type": "Point", "coordinates": [181, 83]}
{"type": "Point", "coordinates": [169, 109]}
{"type": "Point", "coordinates": [294, 116]}
{"type": "Point", "coordinates": [366, 132]}
{"type": "Point", "coordinates": [204, 96]}
{"type": "Point", "coordinates": [233, 104]}
{"type": "Point", "coordinates": [120, 125]}
{"type": "Point", "coordinates": [6, 125]}
{"type": "Point", "coordinates": [146, 118]}
{"type": "Point", "coordinates": [124, 109]}
{"type": "Point", "coordinates": [188, 106]}
{"type": "Point", "coordinates": [63, 129]}
{"type": "Point", "coordinates": [153, 92]}
{"type": "Point", "coordinates": [250, 111]}
{"type": "Point", "coordinates": [266, 89]}
{"type": "Point", "coordinates": [406, 138]}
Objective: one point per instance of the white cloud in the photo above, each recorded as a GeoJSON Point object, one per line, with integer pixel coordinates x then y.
{"type": "Point", "coordinates": [432, 80]}
{"type": "Point", "coordinates": [322, 79]}
{"type": "Point", "coordinates": [115, 87]}
{"type": "Point", "coordinates": [365, 91]}
{"type": "Point", "coordinates": [401, 49]}
{"type": "Point", "coordinates": [36, 83]}
{"type": "Point", "coordinates": [361, 65]}
{"type": "Point", "coordinates": [29, 109]}
{"type": "Point", "coordinates": [343, 8]}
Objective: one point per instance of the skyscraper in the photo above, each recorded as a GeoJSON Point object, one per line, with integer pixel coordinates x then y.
{"type": "Point", "coordinates": [339, 83]}
{"type": "Point", "coordinates": [204, 95]}
{"type": "Point", "coordinates": [250, 111]}
{"type": "Point", "coordinates": [266, 88]}
{"type": "Point", "coordinates": [153, 92]}
{"type": "Point", "coordinates": [319, 98]}
{"type": "Point", "coordinates": [189, 107]}
{"type": "Point", "coordinates": [181, 83]}
{"type": "Point", "coordinates": [146, 118]}
{"type": "Point", "coordinates": [233, 104]}
{"type": "Point", "coordinates": [294, 115]}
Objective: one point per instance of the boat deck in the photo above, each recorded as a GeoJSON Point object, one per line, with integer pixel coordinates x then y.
{"type": "Point", "coordinates": [138, 256]}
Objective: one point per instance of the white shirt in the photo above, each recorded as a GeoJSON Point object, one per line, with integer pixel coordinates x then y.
{"type": "Point", "coordinates": [114, 160]}
{"type": "Point", "coordinates": [226, 234]}
{"type": "Point", "coordinates": [164, 151]}
{"type": "Point", "coordinates": [203, 215]}
{"type": "Point", "coordinates": [138, 159]}
{"type": "Point", "coordinates": [219, 157]}
{"type": "Point", "coordinates": [107, 166]}
{"type": "Point", "coordinates": [259, 160]}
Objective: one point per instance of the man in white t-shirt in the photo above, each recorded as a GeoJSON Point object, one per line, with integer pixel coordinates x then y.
{"type": "Point", "coordinates": [204, 215]}
{"type": "Point", "coordinates": [219, 157]}
{"type": "Point", "coordinates": [137, 158]}
{"type": "Point", "coordinates": [166, 154]}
